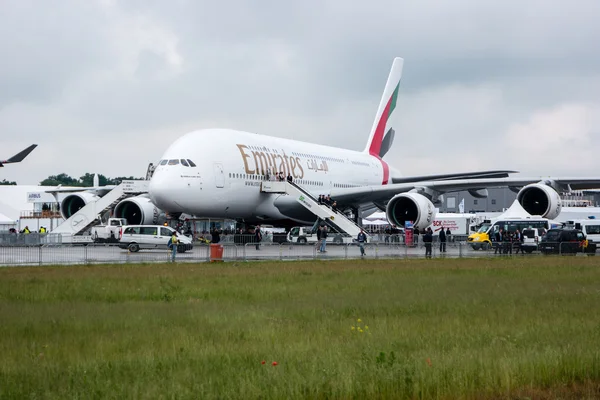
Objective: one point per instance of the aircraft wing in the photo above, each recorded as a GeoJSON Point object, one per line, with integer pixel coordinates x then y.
{"type": "Point", "coordinates": [19, 156]}
{"type": "Point", "coordinates": [382, 194]}
{"type": "Point", "coordinates": [100, 190]}
{"type": "Point", "coordinates": [461, 175]}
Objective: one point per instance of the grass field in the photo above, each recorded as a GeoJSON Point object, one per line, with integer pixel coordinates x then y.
{"type": "Point", "coordinates": [463, 328]}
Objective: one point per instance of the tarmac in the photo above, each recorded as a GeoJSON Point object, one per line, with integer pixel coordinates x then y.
{"type": "Point", "coordinates": [95, 254]}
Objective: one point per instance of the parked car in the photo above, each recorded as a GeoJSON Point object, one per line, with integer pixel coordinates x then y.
{"type": "Point", "coordinates": [566, 241]}
{"type": "Point", "coordinates": [531, 239]}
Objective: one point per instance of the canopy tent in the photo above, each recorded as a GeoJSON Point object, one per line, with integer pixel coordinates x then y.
{"type": "Point", "coordinates": [6, 223]}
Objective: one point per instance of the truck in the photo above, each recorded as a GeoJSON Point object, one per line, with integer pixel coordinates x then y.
{"type": "Point", "coordinates": [459, 224]}
{"type": "Point", "coordinates": [307, 234]}
{"type": "Point", "coordinates": [111, 232]}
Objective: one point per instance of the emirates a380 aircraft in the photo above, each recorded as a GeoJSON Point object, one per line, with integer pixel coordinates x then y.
{"type": "Point", "coordinates": [217, 173]}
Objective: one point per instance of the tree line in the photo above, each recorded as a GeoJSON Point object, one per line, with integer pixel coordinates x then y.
{"type": "Point", "coordinates": [86, 180]}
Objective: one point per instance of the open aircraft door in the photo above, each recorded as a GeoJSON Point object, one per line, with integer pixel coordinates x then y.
{"type": "Point", "coordinates": [219, 175]}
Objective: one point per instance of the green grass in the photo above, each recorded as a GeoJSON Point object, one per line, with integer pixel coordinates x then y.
{"type": "Point", "coordinates": [482, 328]}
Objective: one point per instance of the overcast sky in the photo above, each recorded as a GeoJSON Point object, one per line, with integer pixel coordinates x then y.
{"type": "Point", "coordinates": [106, 86]}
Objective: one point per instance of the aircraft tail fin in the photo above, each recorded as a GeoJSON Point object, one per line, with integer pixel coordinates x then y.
{"type": "Point", "coordinates": [386, 107]}
{"type": "Point", "coordinates": [19, 156]}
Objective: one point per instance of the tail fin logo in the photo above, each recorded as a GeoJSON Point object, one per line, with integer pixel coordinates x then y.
{"type": "Point", "coordinates": [387, 105]}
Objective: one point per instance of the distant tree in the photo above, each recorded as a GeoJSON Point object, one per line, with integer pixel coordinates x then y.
{"type": "Point", "coordinates": [60, 179]}
{"type": "Point", "coordinates": [88, 180]}
{"type": "Point", "coordinates": [5, 182]}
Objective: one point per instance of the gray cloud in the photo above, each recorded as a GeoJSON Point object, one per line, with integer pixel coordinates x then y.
{"type": "Point", "coordinates": [85, 79]}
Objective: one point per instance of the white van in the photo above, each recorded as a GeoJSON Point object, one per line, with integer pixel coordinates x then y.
{"type": "Point", "coordinates": [136, 237]}
{"type": "Point", "coordinates": [589, 227]}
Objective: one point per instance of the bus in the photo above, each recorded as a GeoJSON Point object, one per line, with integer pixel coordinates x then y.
{"type": "Point", "coordinates": [482, 238]}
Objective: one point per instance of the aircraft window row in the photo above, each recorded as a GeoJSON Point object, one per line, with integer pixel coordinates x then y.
{"type": "Point", "coordinates": [245, 176]}
{"type": "Point", "coordinates": [360, 163]}
{"type": "Point", "coordinates": [262, 148]}
{"type": "Point", "coordinates": [318, 157]}
{"type": "Point", "coordinates": [185, 163]}
{"type": "Point", "coordinates": [261, 178]}
{"type": "Point", "coordinates": [343, 185]}
{"type": "Point", "coordinates": [309, 183]}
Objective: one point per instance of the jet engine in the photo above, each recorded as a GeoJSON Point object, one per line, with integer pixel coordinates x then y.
{"type": "Point", "coordinates": [75, 202]}
{"type": "Point", "coordinates": [410, 207]}
{"type": "Point", "coordinates": [139, 210]}
{"type": "Point", "coordinates": [540, 199]}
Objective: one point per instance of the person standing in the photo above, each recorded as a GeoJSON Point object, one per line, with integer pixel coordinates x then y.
{"type": "Point", "coordinates": [319, 232]}
{"type": "Point", "coordinates": [173, 242]}
{"type": "Point", "coordinates": [498, 238]}
{"type": "Point", "coordinates": [257, 236]}
{"type": "Point", "coordinates": [323, 240]}
{"type": "Point", "coordinates": [216, 237]}
{"type": "Point", "coordinates": [442, 241]}
{"type": "Point", "coordinates": [427, 240]}
{"type": "Point", "coordinates": [448, 233]}
{"type": "Point", "coordinates": [361, 239]}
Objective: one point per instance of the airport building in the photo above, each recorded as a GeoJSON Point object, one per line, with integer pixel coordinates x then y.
{"type": "Point", "coordinates": [500, 199]}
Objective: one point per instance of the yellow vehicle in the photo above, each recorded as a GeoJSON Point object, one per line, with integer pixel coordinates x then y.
{"type": "Point", "coordinates": [482, 239]}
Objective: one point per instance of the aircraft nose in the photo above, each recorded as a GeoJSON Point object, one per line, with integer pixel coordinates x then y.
{"type": "Point", "coordinates": [160, 192]}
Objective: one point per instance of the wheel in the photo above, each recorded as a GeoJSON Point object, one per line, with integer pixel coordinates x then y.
{"type": "Point", "coordinates": [181, 249]}
{"type": "Point", "coordinates": [338, 240]}
{"type": "Point", "coordinates": [302, 240]}
{"type": "Point", "coordinates": [476, 246]}
{"type": "Point", "coordinates": [134, 247]}
{"type": "Point", "coordinates": [528, 250]}
{"type": "Point", "coordinates": [486, 245]}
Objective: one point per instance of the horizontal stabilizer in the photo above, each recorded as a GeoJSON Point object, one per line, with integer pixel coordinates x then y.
{"type": "Point", "coordinates": [387, 142]}
{"type": "Point", "coordinates": [462, 175]}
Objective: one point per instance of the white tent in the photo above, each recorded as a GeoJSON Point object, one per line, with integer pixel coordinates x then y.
{"type": "Point", "coordinates": [6, 223]}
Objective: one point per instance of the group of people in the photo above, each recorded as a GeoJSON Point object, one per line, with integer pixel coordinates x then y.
{"type": "Point", "coordinates": [443, 237]}
{"type": "Point", "coordinates": [505, 241]}
{"type": "Point", "coordinates": [27, 231]}
{"type": "Point", "coordinates": [325, 199]}
{"type": "Point", "coordinates": [278, 176]}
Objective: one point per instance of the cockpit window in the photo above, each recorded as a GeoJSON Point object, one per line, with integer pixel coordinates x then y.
{"type": "Point", "coordinates": [173, 162]}
{"type": "Point", "coordinates": [185, 163]}
{"type": "Point", "coordinates": [191, 163]}
{"type": "Point", "coordinates": [164, 162]}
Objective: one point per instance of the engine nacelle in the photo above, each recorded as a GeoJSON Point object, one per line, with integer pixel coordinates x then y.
{"type": "Point", "coordinates": [410, 207]}
{"type": "Point", "coordinates": [540, 199]}
{"type": "Point", "coordinates": [479, 193]}
{"type": "Point", "coordinates": [75, 202]}
{"type": "Point", "coordinates": [139, 210]}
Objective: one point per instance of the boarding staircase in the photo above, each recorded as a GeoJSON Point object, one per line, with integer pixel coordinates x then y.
{"type": "Point", "coordinates": [335, 219]}
{"type": "Point", "coordinates": [90, 215]}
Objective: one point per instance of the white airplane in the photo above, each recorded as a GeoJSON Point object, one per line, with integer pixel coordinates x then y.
{"type": "Point", "coordinates": [217, 173]}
